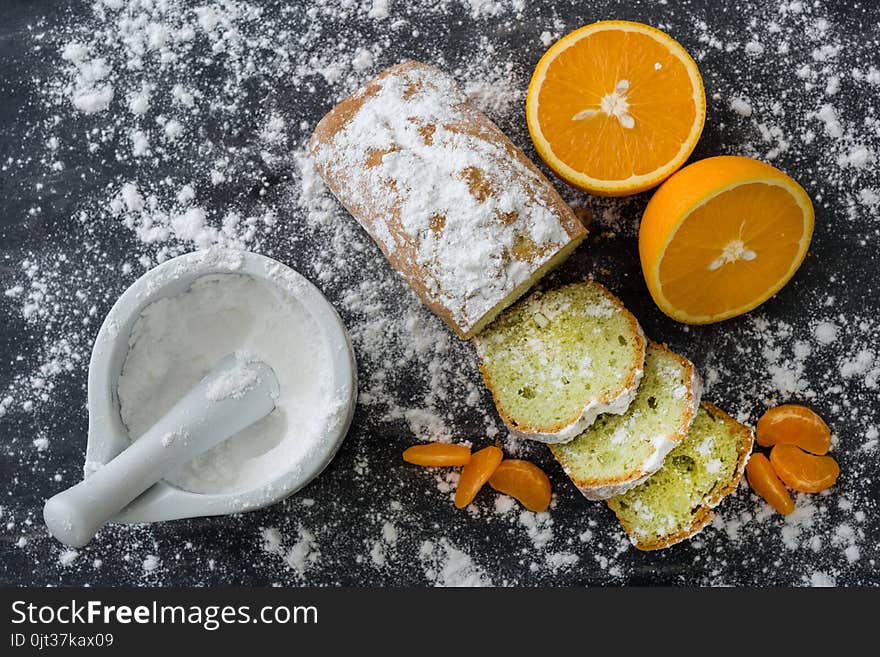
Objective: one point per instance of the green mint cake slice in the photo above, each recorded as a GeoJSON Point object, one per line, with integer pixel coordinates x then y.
{"type": "Point", "coordinates": [558, 359]}
{"type": "Point", "coordinates": [677, 501]}
{"type": "Point", "coordinates": [618, 452]}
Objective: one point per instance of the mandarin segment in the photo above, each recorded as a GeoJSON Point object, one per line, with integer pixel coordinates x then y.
{"type": "Point", "coordinates": [476, 473]}
{"type": "Point", "coordinates": [615, 107]}
{"type": "Point", "coordinates": [437, 455]}
{"type": "Point", "coordinates": [722, 236]}
{"type": "Point", "coordinates": [793, 424]}
{"type": "Point", "coordinates": [523, 481]}
{"type": "Point", "coordinates": [764, 481]}
{"type": "Point", "coordinates": [801, 471]}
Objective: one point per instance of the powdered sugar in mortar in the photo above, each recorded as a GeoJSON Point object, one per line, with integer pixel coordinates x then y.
{"type": "Point", "coordinates": [176, 341]}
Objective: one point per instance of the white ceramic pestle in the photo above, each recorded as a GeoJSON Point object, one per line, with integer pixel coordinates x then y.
{"type": "Point", "coordinates": [214, 410]}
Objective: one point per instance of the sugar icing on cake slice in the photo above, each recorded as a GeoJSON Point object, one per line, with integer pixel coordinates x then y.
{"type": "Point", "coordinates": [468, 220]}
{"type": "Point", "coordinates": [677, 501]}
{"type": "Point", "coordinates": [558, 359]}
{"type": "Point", "coordinates": [618, 452]}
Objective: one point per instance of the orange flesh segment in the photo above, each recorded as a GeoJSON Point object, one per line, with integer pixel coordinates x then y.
{"type": "Point", "coordinates": [803, 472]}
{"type": "Point", "coordinates": [793, 424]}
{"type": "Point", "coordinates": [765, 482]}
{"type": "Point", "coordinates": [437, 455]}
{"type": "Point", "coordinates": [524, 481]}
{"type": "Point", "coordinates": [768, 222]}
{"type": "Point", "coordinates": [583, 74]}
{"type": "Point", "coordinates": [476, 473]}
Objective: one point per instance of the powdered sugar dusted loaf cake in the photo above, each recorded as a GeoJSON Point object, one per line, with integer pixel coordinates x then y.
{"type": "Point", "coordinates": [457, 209]}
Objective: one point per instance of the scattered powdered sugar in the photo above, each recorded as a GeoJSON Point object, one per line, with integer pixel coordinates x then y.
{"type": "Point", "coordinates": [446, 565]}
{"type": "Point", "coordinates": [561, 560]}
{"type": "Point", "coordinates": [538, 526]}
{"type": "Point", "coordinates": [741, 106]}
{"type": "Point", "coordinates": [271, 540]}
{"type": "Point", "coordinates": [67, 557]}
{"type": "Point", "coordinates": [821, 101]}
{"type": "Point", "coordinates": [493, 91]}
{"type": "Point", "coordinates": [383, 549]}
{"type": "Point", "coordinates": [819, 579]}
{"type": "Point", "coordinates": [156, 128]}
{"type": "Point", "coordinates": [303, 553]}
{"type": "Point", "coordinates": [504, 504]}
{"type": "Point", "coordinates": [826, 332]}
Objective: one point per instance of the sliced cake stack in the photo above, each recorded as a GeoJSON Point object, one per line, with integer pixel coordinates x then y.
{"type": "Point", "coordinates": [571, 367]}
{"type": "Point", "coordinates": [471, 224]}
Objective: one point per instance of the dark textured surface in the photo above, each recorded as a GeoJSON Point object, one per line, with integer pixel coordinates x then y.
{"type": "Point", "coordinates": [352, 500]}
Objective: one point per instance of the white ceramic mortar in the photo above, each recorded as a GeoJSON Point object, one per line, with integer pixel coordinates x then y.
{"type": "Point", "coordinates": [108, 436]}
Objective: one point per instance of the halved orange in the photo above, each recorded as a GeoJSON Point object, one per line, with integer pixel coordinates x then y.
{"type": "Point", "coordinates": [615, 107]}
{"type": "Point", "coordinates": [722, 236]}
